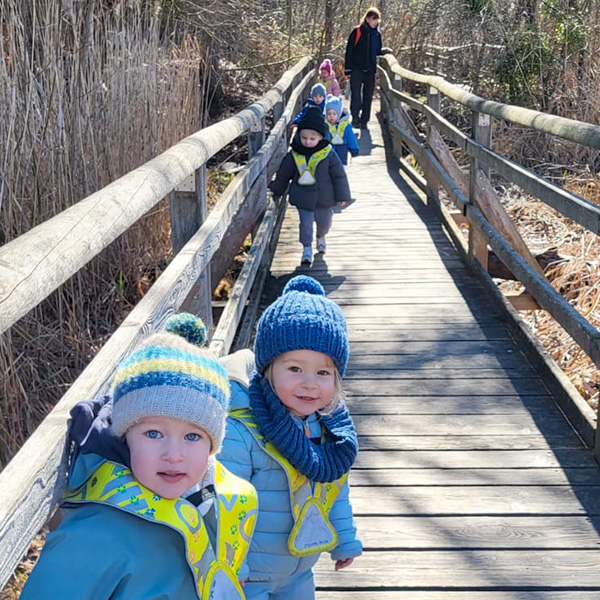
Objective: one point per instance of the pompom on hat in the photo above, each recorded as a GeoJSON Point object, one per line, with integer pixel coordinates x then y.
{"type": "Point", "coordinates": [170, 375]}
{"type": "Point", "coordinates": [326, 66]}
{"type": "Point", "coordinates": [302, 318]}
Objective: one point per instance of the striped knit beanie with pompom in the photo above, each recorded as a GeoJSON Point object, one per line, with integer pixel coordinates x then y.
{"type": "Point", "coordinates": [170, 375]}
{"type": "Point", "coordinates": [302, 318]}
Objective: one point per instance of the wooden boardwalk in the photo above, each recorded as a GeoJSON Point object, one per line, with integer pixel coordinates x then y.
{"type": "Point", "coordinates": [470, 485]}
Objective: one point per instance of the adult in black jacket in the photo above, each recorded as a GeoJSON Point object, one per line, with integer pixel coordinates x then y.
{"type": "Point", "coordinates": [363, 48]}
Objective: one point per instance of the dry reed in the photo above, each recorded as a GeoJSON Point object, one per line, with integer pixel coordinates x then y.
{"type": "Point", "coordinates": [84, 98]}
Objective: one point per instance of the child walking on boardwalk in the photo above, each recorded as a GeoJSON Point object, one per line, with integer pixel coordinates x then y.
{"type": "Point", "coordinates": [328, 79]}
{"type": "Point", "coordinates": [150, 512]}
{"type": "Point", "coordinates": [290, 434]}
{"type": "Point", "coordinates": [342, 137]}
{"type": "Point", "coordinates": [316, 100]}
{"type": "Point", "coordinates": [318, 179]}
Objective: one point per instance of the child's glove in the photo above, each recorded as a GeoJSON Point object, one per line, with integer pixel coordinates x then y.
{"type": "Point", "coordinates": [354, 152]}
{"type": "Point", "coordinates": [342, 203]}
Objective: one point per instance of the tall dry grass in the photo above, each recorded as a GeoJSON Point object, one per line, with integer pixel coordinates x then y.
{"type": "Point", "coordinates": [88, 91]}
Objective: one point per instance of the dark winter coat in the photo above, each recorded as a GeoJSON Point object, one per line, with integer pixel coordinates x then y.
{"type": "Point", "coordinates": [331, 184]}
{"type": "Point", "coordinates": [362, 55]}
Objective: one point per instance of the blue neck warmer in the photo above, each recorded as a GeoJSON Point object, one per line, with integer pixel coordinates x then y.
{"type": "Point", "coordinates": [318, 462]}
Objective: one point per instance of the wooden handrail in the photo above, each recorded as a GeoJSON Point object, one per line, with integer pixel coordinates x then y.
{"type": "Point", "coordinates": [569, 129]}
{"type": "Point", "coordinates": [32, 483]}
{"type": "Point", "coordinates": [39, 261]}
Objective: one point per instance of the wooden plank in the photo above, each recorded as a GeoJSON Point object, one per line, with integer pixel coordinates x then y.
{"type": "Point", "coordinates": [472, 459]}
{"type": "Point", "coordinates": [498, 349]}
{"type": "Point", "coordinates": [382, 594]}
{"type": "Point", "coordinates": [467, 569]}
{"type": "Point", "coordinates": [479, 442]}
{"type": "Point", "coordinates": [477, 500]}
{"type": "Point", "coordinates": [431, 372]}
{"type": "Point", "coordinates": [462, 424]}
{"type": "Point", "coordinates": [502, 533]}
{"type": "Point", "coordinates": [360, 332]}
{"type": "Point", "coordinates": [450, 405]}
{"type": "Point", "coordinates": [443, 387]}
{"type": "Point", "coordinates": [466, 477]}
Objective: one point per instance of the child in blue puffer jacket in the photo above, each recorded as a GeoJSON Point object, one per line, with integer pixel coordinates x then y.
{"type": "Point", "coordinates": [291, 436]}
{"type": "Point", "coordinates": [341, 134]}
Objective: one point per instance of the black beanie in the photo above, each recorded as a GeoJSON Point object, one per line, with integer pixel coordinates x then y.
{"type": "Point", "coordinates": [313, 119]}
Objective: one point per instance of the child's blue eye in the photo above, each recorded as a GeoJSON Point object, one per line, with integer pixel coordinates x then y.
{"type": "Point", "coordinates": [153, 434]}
{"type": "Point", "coordinates": [192, 437]}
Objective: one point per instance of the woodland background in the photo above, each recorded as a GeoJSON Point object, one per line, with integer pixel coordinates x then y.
{"type": "Point", "coordinates": [90, 89]}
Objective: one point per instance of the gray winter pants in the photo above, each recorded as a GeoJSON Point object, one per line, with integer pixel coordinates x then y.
{"type": "Point", "coordinates": [321, 216]}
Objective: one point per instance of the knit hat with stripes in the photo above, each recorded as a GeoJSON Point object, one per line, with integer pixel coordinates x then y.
{"type": "Point", "coordinates": [170, 375]}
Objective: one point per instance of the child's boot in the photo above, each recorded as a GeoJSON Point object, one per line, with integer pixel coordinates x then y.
{"type": "Point", "coordinates": [321, 244]}
{"type": "Point", "coordinates": [306, 255]}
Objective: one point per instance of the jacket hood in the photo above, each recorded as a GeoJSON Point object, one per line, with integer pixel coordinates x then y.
{"type": "Point", "coordinates": [95, 441]}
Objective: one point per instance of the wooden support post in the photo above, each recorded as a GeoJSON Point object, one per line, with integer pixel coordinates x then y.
{"type": "Point", "coordinates": [397, 83]}
{"type": "Point", "coordinates": [278, 110]}
{"type": "Point", "coordinates": [433, 100]}
{"type": "Point", "coordinates": [481, 131]}
{"type": "Point", "coordinates": [188, 208]}
{"type": "Point", "coordinates": [256, 138]}
{"type": "Point", "coordinates": [188, 212]}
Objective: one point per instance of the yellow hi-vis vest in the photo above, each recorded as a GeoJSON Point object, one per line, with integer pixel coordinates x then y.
{"type": "Point", "coordinates": [216, 577]}
{"type": "Point", "coordinates": [306, 171]}
{"type": "Point", "coordinates": [312, 532]}
{"type": "Point", "coordinates": [337, 131]}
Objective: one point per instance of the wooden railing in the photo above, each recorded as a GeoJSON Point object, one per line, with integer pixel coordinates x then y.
{"type": "Point", "coordinates": [478, 205]}
{"type": "Point", "coordinates": [38, 262]}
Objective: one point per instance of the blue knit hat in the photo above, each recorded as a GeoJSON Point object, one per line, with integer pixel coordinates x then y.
{"type": "Point", "coordinates": [170, 375]}
{"type": "Point", "coordinates": [335, 103]}
{"type": "Point", "coordinates": [302, 318]}
{"type": "Point", "coordinates": [318, 88]}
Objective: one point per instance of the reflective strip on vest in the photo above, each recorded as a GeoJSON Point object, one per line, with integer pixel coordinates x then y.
{"type": "Point", "coordinates": [237, 509]}
{"type": "Point", "coordinates": [306, 172]}
{"type": "Point", "coordinates": [312, 532]}
{"type": "Point", "coordinates": [337, 131]}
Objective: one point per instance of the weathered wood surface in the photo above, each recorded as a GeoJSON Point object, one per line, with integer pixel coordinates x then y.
{"type": "Point", "coordinates": [470, 485]}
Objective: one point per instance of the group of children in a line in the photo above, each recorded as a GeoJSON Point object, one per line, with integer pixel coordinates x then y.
{"type": "Point", "coordinates": [222, 479]}
{"type": "Point", "coordinates": [315, 164]}
{"type": "Point", "coordinates": [207, 479]}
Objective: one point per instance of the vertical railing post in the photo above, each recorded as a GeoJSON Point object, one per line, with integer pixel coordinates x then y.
{"type": "Point", "coordinates": [278, 109]}
{"type": "Point", "coordinates": [397, 82]}
{"type": "Point", "coordinates": [481, 131]}
{"type": "Point", "coordinates": [188, 212]}
{"type": "Point", "coordinates": [256, 137]}
{"type": "Point", "coordinates": [433, 101]}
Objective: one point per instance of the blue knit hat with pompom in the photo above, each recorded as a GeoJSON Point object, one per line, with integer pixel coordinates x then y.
{"type": "Point", "coordinates": [171, 375]}
{"type": "Point", "coordinates": [302, 318]}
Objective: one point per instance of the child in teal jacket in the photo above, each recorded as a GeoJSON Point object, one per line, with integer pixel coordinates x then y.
{"type": "Point", "coordinates": [150, 513]}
